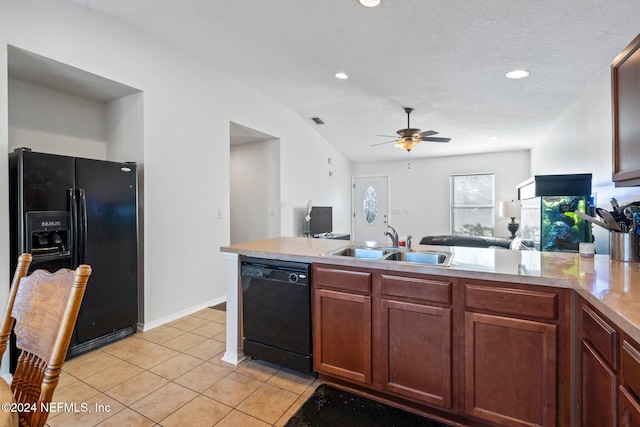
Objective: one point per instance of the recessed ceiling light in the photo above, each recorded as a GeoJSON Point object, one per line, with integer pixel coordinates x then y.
{"type": "Point", "coordinates": [341, 76]}
{"type": "Point", "coordinates": [369, 3]}
{"type": "Point", "coordinates": [517, 74]}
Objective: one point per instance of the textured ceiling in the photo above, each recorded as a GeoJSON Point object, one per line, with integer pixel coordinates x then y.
{"type": "Point", "coordinates": [446, 59]}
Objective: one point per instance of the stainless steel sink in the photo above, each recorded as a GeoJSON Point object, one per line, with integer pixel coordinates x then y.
{"type": "Point", "coordinates": [421, 257]}
{"type": "Point", "coordinates": [360, 252]}
{"type": "Point", "coordinates": [435, 258]}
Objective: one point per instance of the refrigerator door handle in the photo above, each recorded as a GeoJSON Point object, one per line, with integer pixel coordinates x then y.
{"type": "Point", "coordinates": [82, 238]}
{"type": "Point", "coordinates": [73, 229]}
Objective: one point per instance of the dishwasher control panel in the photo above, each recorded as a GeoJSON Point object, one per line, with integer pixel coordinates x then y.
{"type": "Point", "coordinates": [283, 271]}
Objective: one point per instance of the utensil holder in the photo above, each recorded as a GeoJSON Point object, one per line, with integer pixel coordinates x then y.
{"type": "Point", "coordinates": [623, 246]}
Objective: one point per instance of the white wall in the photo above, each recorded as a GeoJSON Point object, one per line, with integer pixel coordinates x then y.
{"type": "Point", "coordinates": [188, 106]}
{"type": "Point", "coordinates": [255, 191]}
{"type": "Point", "coordinates": [124, 129]}
{"type": "Point", "coordinates": [581, 142]}
{"type": "Point", "coordinates": [55, 122]}
{"type": "Point", "coordinates": [311, 177]}
{"type": "Point", "coordinates": [425, 188]}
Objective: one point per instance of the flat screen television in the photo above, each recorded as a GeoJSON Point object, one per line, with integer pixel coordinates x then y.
{"type": "Point", "coordinates": [321, 220]}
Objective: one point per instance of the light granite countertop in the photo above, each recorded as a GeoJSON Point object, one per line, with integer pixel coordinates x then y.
{"type": "Point", "coordinates": [613, 287]}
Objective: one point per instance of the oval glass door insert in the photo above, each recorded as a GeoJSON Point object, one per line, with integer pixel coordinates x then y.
{"type": "Point", "coordinates": [370, 208]}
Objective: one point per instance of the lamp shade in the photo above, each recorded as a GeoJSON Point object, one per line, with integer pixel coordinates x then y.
{"type": "Point", "coordinates": [510, 209]}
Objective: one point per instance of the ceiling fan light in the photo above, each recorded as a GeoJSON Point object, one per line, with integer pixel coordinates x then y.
{"type": "Point", "coordinates": [369, 3]}
{"type": "Point", "coordinates": [407, 143]}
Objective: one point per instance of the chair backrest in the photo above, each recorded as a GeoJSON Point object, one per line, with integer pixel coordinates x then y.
{"type": "Point", "coordinates": [44, 307]}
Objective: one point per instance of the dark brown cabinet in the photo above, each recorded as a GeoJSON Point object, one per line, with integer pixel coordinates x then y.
{"type": "Point", "coordinates": [608, 372]}
{"type": "Point", "coordinates": [512, 354]}
{"type": "Point", "coordinates": [416, 334]}
{"type": "Point", "coordinates": [489, 353]}
{"type": "Point", "coordinates": [597, 365]}
{"type": "Point", "coordinates": [598, 391]}
{"type": "Point", "coordinates": [625, 77]}
{"type": "Point", "coordinates": [629, 409]}
{"type": "Point", "coordinates": [342, 324]}
{"type": "Point", "coordinates": [510, 374]}
{"type": "Point", "coordinates": [343, 335]}
{"type": "Point", "coordinates": [629, 390]}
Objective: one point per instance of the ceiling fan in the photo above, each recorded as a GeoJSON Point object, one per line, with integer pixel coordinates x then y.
{"type": "Point", "coordinates": [411, 137]}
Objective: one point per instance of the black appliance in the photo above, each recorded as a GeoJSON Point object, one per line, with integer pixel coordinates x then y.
{"type": "Point", "coordinates": [321, 220]}
{"type": "Point", "coordinates": [68, 211]}
{"type": "Point", "coordinates": [276, 312]}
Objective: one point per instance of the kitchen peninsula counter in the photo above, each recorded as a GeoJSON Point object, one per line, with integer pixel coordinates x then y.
{"type": "Point", "coordinates": [613, 287]}
{"type": "Point", "coordinates": [493, 327]}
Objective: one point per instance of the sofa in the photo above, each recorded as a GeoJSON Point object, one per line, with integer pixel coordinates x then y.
{"type": "Point", "coordinates": [478, 242]}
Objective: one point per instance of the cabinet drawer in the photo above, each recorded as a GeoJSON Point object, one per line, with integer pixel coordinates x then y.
{"type": "Point", "coordinates": [416, 288]}
{"type": "Point", "coordinates": [511, 301]}
{"type": "Point", "coordinates": [337, 278]}
{"type": "Point", "coordinates": [631, 367]}
{"type": "Point", "coordinates": [601, 335]}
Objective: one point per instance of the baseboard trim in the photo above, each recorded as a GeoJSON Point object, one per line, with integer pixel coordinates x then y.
{"type": "Point", "coordinates": [147, 326]}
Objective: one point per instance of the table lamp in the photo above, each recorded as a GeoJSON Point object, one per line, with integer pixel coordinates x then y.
{"type": "Point", "coordinates": [511, 210]}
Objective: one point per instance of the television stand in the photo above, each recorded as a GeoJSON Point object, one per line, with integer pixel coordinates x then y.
{"type": "Point", "coordinates": [333, 236]}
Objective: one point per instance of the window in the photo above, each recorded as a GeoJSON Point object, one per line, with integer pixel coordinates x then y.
{"type": "Point", "coordinates": [472, 204]}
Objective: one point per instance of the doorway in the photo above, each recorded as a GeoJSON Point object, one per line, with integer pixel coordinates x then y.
{"type": "Point", "coordinates": [254, 209]}
{"type": "Point", "coordinates": [370, 208]}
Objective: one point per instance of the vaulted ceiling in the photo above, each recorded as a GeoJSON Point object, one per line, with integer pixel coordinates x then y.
{"type": "Point", "coordinates": [446, 59]}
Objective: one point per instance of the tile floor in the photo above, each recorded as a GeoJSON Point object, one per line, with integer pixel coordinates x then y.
{"type": "Point", "coordinates": [173, 376]}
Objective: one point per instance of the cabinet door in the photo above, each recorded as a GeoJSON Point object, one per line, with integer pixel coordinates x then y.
{"type": "Point", "coordinates": [625, 74]}
{"type": "Point", "coordinates": [598, 389]}
{"type": "Point", "coordinates": [510, 370]}
{"type": "Point", "coordinates": [342, 335]}
{"type": "Point", "coordinates": [629, 409]}
{"type": "Point", "coordinates": [416, 341]}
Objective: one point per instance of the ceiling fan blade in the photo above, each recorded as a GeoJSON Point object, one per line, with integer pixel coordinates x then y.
{"type": "Point", "coordinates": [435, 139]}
{"type": "Point", "coordinates": [388, 136]}
{"type": "Point", "coordinates": [382, 143]}
{"type": "Point", "coordinates": [428, 133]}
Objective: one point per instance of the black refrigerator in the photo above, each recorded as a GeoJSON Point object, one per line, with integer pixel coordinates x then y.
{"type": "Point", "coordinates": [67, 211]}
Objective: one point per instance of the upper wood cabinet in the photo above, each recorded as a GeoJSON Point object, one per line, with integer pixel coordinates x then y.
{"type": "Point", "coordinates": [625, 78]}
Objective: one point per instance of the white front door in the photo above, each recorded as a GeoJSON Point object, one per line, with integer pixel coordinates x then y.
{"type": "Point", "coordinates": [370, 213]}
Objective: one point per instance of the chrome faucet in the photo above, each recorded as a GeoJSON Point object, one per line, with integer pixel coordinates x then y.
{"type": "Point", "coordinates": [409, 242]}
{"type": "Point", "coordinates": [393, 235]}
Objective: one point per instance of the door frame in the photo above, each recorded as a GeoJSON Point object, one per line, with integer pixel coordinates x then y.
{"type": "Point", "coordinates": [353, 199]}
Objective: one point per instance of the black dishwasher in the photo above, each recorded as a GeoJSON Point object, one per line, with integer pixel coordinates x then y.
{"type": "Point", "coordinates": [276, 312]}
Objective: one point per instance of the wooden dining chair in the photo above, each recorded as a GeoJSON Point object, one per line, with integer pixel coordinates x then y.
{"type": "Point", "coordinates": [44, 307]}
